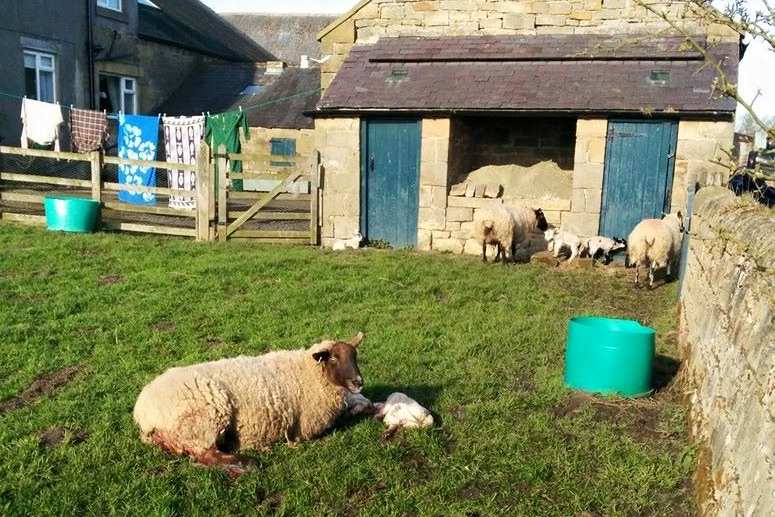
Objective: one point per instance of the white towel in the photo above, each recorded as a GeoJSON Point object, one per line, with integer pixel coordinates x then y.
{"type": "Point", "coordinates": [182, 136]}
{"type": "Point", "coordinates": [40, 122]}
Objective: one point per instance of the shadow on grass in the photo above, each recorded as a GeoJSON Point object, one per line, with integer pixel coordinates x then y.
{"type": "Point", "coordinates": [665, 370]}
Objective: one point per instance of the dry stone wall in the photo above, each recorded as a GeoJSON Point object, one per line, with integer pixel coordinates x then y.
{"type": "Point", "coordinates": [728, 337]}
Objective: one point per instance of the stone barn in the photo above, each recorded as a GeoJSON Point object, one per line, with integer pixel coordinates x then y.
{"type": "Point", "coordinates": [595, 111]}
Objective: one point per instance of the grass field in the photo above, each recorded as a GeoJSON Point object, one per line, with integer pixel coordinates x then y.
{"type": "Point", "coordinates": [88, 320]}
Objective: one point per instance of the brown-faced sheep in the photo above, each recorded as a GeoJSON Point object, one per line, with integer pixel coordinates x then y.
{"type": "Point", "coordinates": [210, 410]}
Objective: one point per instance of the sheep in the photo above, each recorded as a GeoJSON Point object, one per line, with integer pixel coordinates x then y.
{"type": "Point", "coordinates": [353, 242]}
{"type": "Point", "coordinates": [655, 243]}
{"type": "Point", "coordinates": [208, 411]}
{"type": "Point", "coordinates": [527, 221]}
{"type": "Point", "coordinates": [556, 240]}
{"type": "Point", "coordinates": [495, 226]}
{"type": "Point", "coordinates": [399, 411]}
{"type": "Point", "coordinates": [606, 246]}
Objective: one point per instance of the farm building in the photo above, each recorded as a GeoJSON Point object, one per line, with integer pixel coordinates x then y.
{"type": "Point", "coordinates": [593, 110]}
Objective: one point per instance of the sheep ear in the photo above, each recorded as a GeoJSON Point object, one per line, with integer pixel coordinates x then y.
{"type": "Point", "coordinates": [356, 340]}
{"type": "Point", "coordinates": [321, 352]}
{"type": "Point", "coordinates": [322, 356]}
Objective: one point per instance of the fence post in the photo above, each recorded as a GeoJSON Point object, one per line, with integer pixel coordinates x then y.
{"type": "Point", "coordinates": [314, 235]}
{"type": "Point", "coordinates": [203, 193]}
{"type": "Point", "coordinates": [95, 158]}
{"type": "Point", "coordinates": [223, 188]}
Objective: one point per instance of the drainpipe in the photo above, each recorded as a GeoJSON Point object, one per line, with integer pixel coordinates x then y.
{"type": "Point", "coordinates": [90, 51]}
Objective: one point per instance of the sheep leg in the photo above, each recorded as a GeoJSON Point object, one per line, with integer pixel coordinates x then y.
{"type": "Point", "coordinates": [637, 274]}
{"type": "Point", "coordinates": [499, 252]}
{"type": "Point", "coordinates": [574, 252]}
{"type": "Point", "coordinates": [514, 252]}
{"type": "Point", "coordinates": [556, 251]}
{"type": "Point", "coordinates": [233, 465]}
{"type": "Point", "coordinates": [651, 276]}
{"type": "Point", "coordinates": [484, 251]}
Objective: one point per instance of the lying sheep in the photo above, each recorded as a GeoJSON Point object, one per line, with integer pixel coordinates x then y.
{"type": "Point", "coordinates": [655, 243]}
{"type": "Point", "coordinates": [353, 242]}
{"type": "Point", "coordinates": [605, 246]}
{"type": "Point", "coordinates": [557, 240]}
{"type": "Point", "coordinates": [399, 411]}
{"type": "Point", "coordinates": [495, 226]}
{"type": "Point", "coordinates": [209, 410]}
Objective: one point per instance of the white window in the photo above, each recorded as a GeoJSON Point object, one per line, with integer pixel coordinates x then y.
{"type": "Point", "coordinates": [40, 76]}
{"type": "Point", "coordinates": [114, 5]}
{"type": "Point", "coordinates": [128, 95]}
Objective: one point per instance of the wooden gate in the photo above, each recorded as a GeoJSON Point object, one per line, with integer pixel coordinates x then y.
{"type": "Point", "coordinates": [282, 208]}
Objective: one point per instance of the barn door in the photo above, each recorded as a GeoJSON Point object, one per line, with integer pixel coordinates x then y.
{"type": "Point", "coordinates": [390, 177]}
{"type": "Point", "coordinates": [639, 161]}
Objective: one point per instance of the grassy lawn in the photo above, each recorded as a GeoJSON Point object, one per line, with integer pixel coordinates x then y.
{"type": "Point", "coordinates": [480, 345]}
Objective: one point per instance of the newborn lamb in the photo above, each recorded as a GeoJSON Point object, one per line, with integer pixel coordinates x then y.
{"type": "Point", "coordinates": [400, 411]}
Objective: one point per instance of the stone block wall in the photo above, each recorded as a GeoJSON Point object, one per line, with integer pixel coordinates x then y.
{"type": "Point", "coordinates": [338, 139]}
{"type": "Point", "coordinates": [588, 165]}
{"type": "Point", "coordinates": [434, 180]}
{"type": "Point", "coordinates": [728, 339]}
{"type": "Point", "coordinates": [493, 17]}
{"type": "Point", "coordinates": [260, 145]}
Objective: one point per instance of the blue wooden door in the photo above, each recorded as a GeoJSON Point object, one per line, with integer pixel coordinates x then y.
{"type": "Point", "coordinates": [639, 161]}
{"type": "Point", "coordinates": [390, 178]}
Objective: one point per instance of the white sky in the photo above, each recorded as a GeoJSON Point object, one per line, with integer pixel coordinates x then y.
{"type": "Point", "coordinates": [757, 70]}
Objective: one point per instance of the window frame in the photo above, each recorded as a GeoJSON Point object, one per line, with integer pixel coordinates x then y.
{"type": "Point", "coordinates": [289, 144]}
{"type": "Point", "coordinates": [37, 54]}
{"type": "Point", "coordinates": [103, 5]}
{"type": "Point", "coordinates": [123, 91]}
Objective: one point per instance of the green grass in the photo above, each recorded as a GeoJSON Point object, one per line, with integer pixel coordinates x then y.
{"type": "Point", "coordinates": [480, 345]}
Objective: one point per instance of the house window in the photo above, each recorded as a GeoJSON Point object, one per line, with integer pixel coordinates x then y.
{"type": "Point", "coordinates": [118, 94]}
{"type": "Point", "coordinates": [40, 76]}
{"type": "Point", "coordinates": [283, 147]}
{"type": "Point", "coordinates": [113, 5]}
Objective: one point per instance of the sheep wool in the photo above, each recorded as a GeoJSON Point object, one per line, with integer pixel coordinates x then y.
{"type": "Point", "coordinates": [655, 243]}
{"type": "Point", "coordinates": [495, 226]}
{"type": "Point", "coordinates": [276, 396]}
{"type": "Point", "coordinates": [399, 410]}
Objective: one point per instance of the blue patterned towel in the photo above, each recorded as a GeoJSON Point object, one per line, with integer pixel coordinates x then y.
{"type": "Point", "coordinates": [138, 137]}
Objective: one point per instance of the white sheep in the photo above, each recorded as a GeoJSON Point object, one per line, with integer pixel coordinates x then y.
{"type": "Point", "coordinates": [495, 226]}
{"type": "Point", "coordinates": [353, 242]}
{"type": "Point", "coordinates": [655, 243]}
{"type": "Point", "coordinates": [557, 240]}
{"type": "Point", "coordinates": [210, 410]}
{"type": "Point", "coordinates": [526, 222]}
{"type": "Point", "coordinates": [606, 246]}
{"type": "Point", "coordinates": [400, 411]}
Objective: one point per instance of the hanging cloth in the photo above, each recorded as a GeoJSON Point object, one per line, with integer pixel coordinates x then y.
{"type": "Point", "coordinates": [182, 136]}
{"type": "Point", "coordinates": [223, 129]}
{"type": "Point", "coordinates": [88, 129]}
{"type": "Point", "coordinates": [138, 137]}
{"type": "Point", "coordinates": [40, 123]}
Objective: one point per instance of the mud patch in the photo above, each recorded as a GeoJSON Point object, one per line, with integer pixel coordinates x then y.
{"type": "Point", "coordinates": [40, 387]}
{"type": "Point", "coordinates": [56, 436]}
{"type": "Point", "coordinates": [110, 279]}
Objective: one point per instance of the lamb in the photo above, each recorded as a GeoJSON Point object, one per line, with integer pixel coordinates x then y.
{"type": "Point", "coordinates": [208, 411]}
{"type": "Point", "coordinates": [606, 246]}
{"type": "Point", "coordinates": [353, 242]}
{"type": "Point", "coordinates": [557, 240]}
{"type": "Point", "coordinates": [399, 411]}
{"type": "Point", "coordinates": [495, 226]}
{"type": "Point", "coordinates": [655, 243]}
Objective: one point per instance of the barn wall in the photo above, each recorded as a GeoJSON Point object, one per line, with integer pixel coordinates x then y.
{"type": "Point", "coordinates": [493, 17]}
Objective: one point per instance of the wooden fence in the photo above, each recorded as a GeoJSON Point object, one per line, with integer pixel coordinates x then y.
{"type": "Point", "coordinates": [216, 215]}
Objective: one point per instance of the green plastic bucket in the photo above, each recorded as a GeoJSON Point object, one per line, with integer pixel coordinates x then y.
{"type": "Point", "coordinates": [71, 214]}
{"type": "Point", "coordinates": [609, 356]}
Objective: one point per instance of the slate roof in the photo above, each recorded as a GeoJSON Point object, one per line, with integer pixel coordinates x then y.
{"type": "Point", "coordinates": [192, 25]}
{"type": "Point", "coordinates": [288, 37]}
{"type": "Point", "coordinates": [565, 73]}
{"type": "Point", "coordinates": [217, 87]}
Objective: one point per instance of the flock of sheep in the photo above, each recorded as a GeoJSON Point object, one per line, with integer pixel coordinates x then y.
{"type": "Point", "coordinates": [653, 243]}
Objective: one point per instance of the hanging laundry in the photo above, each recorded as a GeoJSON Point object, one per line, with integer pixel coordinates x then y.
{"type": "Point", "coordinates": [138, 137]}
{"type": "Point", "coordinates": [40, 123]}
{"type": "Point", "coordinates": [88, 129]}
{"type": "Point", "coordinates": [223, 129]}
{"type": "Point", "coordinates": [182, 136]}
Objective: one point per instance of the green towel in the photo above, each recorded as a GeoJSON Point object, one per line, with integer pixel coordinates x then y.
{"type": "Point", "coordinates": [223, 129]}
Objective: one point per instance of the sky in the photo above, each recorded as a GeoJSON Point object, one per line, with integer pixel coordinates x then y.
{"type": "Point", "coordinates": [757, 70]}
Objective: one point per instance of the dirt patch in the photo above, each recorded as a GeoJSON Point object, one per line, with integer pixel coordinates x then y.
{"type": "Point", "coordinates": [544, 180]}
{"type": "Point", "coordinates": [110, 279]}
{"type": "Point", "coordinates": [56, 436]}
{"type": "Point", "coordinates": [40, 387]}
{"type": "Point", "coordinates": [164, 326]}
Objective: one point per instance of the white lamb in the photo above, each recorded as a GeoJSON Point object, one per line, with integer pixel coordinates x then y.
{"type": "Point", "coordinates": [606, 246]}
{"type": "Point", "coordinates": [495, 226]}
{"type": "Point", "coordinates": [400, 411]}
{"type": "Point", "coordinates": [655, 243]}
{"type": "Point", "coordinates": [353, 242]}
{"type": "Point", "coordinates": [557, 240]}
{"type": "Point", "coordinates": [210, 410]}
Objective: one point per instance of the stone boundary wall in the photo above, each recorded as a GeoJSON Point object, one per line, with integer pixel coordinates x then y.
{"type": "Point", "coordinates": [728, 339]}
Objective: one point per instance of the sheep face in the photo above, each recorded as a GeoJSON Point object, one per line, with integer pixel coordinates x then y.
{"type": "Point", "coordinates": [340, 363]}
{"type": "Point", "coordinates": [619, 244]}
{"type": "Point", "coordinates": [541, 221]}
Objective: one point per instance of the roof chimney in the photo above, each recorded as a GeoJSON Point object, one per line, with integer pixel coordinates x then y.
{"type": "Point", "coordinates": [275, 67]}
